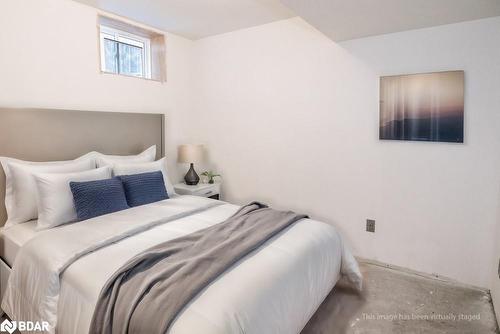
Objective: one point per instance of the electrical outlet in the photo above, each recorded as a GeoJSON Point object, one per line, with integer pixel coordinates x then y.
{"type": "Point", "coordinates": [370, 226]}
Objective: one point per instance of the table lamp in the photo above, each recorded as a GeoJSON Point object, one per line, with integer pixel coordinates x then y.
{"type": "Point", "coordinates": [190, 153]}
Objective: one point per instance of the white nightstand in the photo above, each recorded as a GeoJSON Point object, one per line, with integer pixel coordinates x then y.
{"type": "Point", "coordinates": [201, 189]}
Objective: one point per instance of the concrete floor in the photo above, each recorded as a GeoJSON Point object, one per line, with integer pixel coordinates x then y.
{"type": "Point", "coordinates": [395, 301]}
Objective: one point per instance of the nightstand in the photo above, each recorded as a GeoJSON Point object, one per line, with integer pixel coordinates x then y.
{"type": "Point", "coordinates": [201, 189]}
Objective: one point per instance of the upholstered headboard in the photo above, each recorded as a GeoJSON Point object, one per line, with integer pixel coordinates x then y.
{"type": "Point", "coordinates": [50, 135]}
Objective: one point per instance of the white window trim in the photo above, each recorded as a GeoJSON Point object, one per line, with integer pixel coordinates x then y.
{"type": "Point", "coordinates": [128, 38]}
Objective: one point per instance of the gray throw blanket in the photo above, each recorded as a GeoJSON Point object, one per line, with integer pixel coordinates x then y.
{"type": "Point", "coordinates": [148, 292]}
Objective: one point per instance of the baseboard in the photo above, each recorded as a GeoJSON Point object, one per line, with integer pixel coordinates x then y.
{"type": "Point", "coordinates": [422, 274]}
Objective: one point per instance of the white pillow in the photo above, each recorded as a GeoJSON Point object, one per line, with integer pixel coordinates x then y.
{"type": "Point", "coordinates": [108, 160]}
{"type": "Point", "coordinates": [20, 190]}
{"type": "Point", "coordinates": [145, 167]}
{"type": "Point", "coordinates": [55, 199]}
{"type": "Point", "coordinates": [87, 156]}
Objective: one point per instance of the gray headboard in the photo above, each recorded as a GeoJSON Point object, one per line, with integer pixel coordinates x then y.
{"type": "Point", "coordinates": [49, 135]}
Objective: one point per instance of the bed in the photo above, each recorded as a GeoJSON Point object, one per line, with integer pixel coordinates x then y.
{"type": "Point", "coordinates": [12, 239]}
{"type": "Point", "coordinates": [274, 289]}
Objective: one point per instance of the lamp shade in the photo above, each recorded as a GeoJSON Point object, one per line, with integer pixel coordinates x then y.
{"type": "Point", "coordinates": [190, 153]}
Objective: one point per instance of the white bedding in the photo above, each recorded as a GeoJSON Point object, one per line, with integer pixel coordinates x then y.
{"type": "Point", "coordinates": [273, 290]}
{"type": "Point", "coordinates": [12, 238]}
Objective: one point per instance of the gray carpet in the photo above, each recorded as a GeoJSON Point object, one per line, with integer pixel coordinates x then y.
{"type": "Point", "coordinates": [391, 297]}
{"type": "Point", "coordinates": [398, 302]}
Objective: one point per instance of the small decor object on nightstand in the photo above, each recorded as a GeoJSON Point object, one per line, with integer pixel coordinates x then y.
{"type": "Point", "coordinates": [190, 154]}
{"type": "Point", "coordinates": [210, 175]}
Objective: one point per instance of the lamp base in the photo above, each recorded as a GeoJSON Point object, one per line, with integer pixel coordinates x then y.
{"type": "Point", "coordinates": [191, 178]}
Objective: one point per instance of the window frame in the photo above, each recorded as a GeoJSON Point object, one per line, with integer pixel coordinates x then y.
{"type": "Point", "coordinates": [124, 37]}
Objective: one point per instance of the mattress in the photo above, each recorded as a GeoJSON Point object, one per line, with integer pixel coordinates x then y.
{"type": "Point", "coordinates": [13, 238]}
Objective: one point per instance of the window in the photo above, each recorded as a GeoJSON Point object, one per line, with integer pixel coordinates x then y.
{"type": "Point", "coordinates": [125, 53]}
{"type": "Point", "coordinates": [131, 50]}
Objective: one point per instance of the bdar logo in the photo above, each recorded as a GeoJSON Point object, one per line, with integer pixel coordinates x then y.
{"type": "Point", "coordinates": [24, 326]}
{"type": "Point", "coordinates": [8, 326]}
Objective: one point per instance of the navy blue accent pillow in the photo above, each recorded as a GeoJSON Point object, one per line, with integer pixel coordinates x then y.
{"type": "Point", "coordinates": [144, 188]}
{"type": "Point", "coordinates": [97, 198]}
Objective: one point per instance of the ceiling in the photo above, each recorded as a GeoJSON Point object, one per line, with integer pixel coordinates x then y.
{"type": "Point", "coordinates": [197, 18]}
{"type": "Point", "coordinates": [348, 19]}
{"type": "Point", "coordinates": [338, 19]}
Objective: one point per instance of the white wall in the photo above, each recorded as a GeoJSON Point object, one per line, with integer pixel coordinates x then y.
{"type": "Point", "coordinates": [461, 190]}
{"type": "Point", "coordinates": [50, 58]}
{"type": "Point", "coordinates": [291, 118]}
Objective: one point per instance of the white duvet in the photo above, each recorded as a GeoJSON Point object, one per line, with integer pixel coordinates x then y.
{"type": "Point", "coordinates": [58, 275]}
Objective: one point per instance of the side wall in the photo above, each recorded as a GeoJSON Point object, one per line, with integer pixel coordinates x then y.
{"type": "Point", "coordinates": [291, 117]}
{"type": "Point", "coordinates": [50, 59]}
